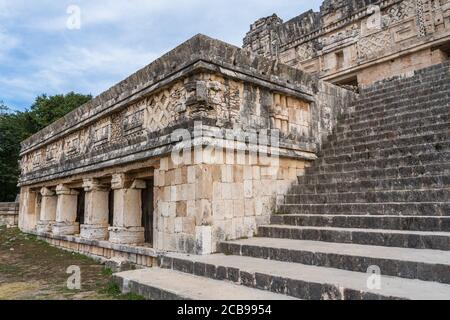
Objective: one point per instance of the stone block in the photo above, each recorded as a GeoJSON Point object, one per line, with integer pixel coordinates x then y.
{"type": "Point", "coordinates": [249, 207]}
{"type": "Point", "coordinates": [179, 225]}
{"type": "Point", "coordinates": [94, 232]}
{"type": "Point", "coordinates": [256, 173]}
{"type": "Point", "coordinates": [248, 173]}
{"type": "Point", "coordinates": [181, 209]}
{"type": "Point", "coordinates": [203, 212]}
{"type": "Point", "coordinates": [217, 191]}
{"type": "Point", "coordinates": [65, 228]}
{"type": "Point", "coordinates": [248, 189]}
{"type": "Point", "coordinates": [237, 191]}
{"type": "Point", "coordinates": [227, 173]}
{"type": "Point", "coordinates": [189, 225]}
{"type": "Point", "coordinates": [190, 208]}
{"type": "Point", "coordinates": [203, 240]}
{"type": "Point", "coordinates": [238, 208]}
{"type": "Point", "coordinates": [238, 174]}
{"type": "Point", "coordinates": [191, 174]}
{"type": "Point", "coordinates": [159, 177]}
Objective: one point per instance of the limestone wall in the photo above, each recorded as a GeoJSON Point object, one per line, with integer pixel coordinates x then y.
{"type": "Point", "coordinates": [218, 199]}
{"type": "Point", "coordinates": [9, 213]}
{"type": "Point", "coordinates": [363, 40]}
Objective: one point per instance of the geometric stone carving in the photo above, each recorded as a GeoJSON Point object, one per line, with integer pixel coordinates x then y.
{"type": "Point", "coordinates": [371, 45]}
{"type": "Point", "coordinates": [160, 111]}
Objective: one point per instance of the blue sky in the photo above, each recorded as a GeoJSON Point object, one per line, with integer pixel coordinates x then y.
{"type": "Point", "coordinates": [39, 54]}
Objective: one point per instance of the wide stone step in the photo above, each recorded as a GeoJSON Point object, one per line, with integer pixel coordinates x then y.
{"type": "Point", "coordinates": [377, 209]}
{"type": "Point", "coordinates": [344, 173]}
{"type": "Point", "coordinates": [388, 91]}
{"type": "Point", "coordinates": [435, 142]}
{"type": "Point", "coordinates": [401, 105]}
{"type": "Point", "coordinates": [164, 284]}
{"type": "Point", "coordinates": [400, 108]}
{"type": "Point", "coordinates": [390, 96]}
{"type": "Point", "coordinates": [419, 160]}
{"type": "Point", "coordinates": [428, 182]}
{"type": "Point", "coordinates": [355, 124]}
{"type": "Point", "coordinates": [303, 281]}
{"type": "Point", "coordinates": [391, 135]}
{"type": "Point", "coordinates": [430, 195]}
{"type": "Point", "coordinates": [427, 265]}
{"type": "Point", "coordinates": [405, 223]}
{"type": "Point", "coordinates": [429, 123]}
{"type": "Point", "coordinates": [375, 237]}
{"type": "Point", "coordinates": [391, 87]}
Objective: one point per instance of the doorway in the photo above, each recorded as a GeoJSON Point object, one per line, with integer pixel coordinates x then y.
{"type": "Point", "coordinates": [80, 206]}
{"type": "Point", "coordinates": [147, 211]}
{"type": "Point", "coordinates": [111, 208]}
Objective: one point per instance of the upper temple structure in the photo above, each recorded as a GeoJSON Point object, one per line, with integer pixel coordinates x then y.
{"type": "Point", "coordinates": [291, 166]}
{"type": "Point", "coordinates": [353, 42]}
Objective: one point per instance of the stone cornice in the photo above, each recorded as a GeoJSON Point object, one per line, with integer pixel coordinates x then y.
{"type": "Point", "coordinates": [155, 147]}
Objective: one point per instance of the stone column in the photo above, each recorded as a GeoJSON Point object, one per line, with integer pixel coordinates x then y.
{"type": "Point", "coordinates": [48, 211]}
{"type": "Point", "coordinates": [66, 212]}
{"type": "Point", "coordinates": [96, 211]}
{"type": "Point", "coordinates": [127, 227]}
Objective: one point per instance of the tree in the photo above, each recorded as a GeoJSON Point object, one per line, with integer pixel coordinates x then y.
{"type": "Point", "coordinates": [18, 126]}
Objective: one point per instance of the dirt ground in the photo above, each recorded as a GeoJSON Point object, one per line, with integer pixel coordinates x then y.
{"type": "Point", "coordinates": [32, 270]}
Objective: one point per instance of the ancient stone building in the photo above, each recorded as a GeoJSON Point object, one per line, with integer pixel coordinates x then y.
{"type": "Point", "coordinates": [358, 42]}
{"type": "Point", "coordinates": [218, 163]}
{"type": "Point", "coordinates": [107, 171]}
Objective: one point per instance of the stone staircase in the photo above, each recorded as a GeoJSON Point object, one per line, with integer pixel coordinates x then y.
{"type": "Point", "coordinates": [379, 195]}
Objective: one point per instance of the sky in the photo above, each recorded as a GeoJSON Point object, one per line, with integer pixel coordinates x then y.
{"type": "Point", "coordinates": [54, 47]}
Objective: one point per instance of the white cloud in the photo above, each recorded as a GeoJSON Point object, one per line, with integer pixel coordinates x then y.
{"type": "Point", "coordinates": [116, 38]}
{"type": "Point", "coordinates": [7, 42]}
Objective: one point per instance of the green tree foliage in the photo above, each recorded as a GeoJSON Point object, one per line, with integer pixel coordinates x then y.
{"type": "Point", "coordinates": [18, 126]}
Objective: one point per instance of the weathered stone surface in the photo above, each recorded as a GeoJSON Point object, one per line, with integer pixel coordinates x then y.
{"type": "Point", "coordinates": [9, 214]}
{"type": "Point", "coordinates": [350, 42]}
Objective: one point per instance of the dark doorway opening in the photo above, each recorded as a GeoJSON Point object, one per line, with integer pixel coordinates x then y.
{"type": "Point", "coordinates": [350, 83]}
{"type": "Point", "coordinates": [147, 211]}
{"type": "Point", "coordinates": [111, 208]}
{"type": "Point", "coordinates": [80, 206]}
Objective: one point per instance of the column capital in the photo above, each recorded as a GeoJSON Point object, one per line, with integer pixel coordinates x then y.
{"type": "Point", "coordinates": [93, 185]}
{"type": "Point", "coordinates": [46, 192]}
{"type": "Point", "coordinates": [119, 181]}
{"type": "Point", "coordinates": [62, 189]}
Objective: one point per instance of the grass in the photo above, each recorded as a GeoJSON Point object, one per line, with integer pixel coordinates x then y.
{"type": "Point", "coordinates": [32, 269]}
{"type": "Point", "coordinates": [113, 290]}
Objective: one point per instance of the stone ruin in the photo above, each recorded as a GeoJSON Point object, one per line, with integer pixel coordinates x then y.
{"type": "Point", "coordinates": [211, 144]}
